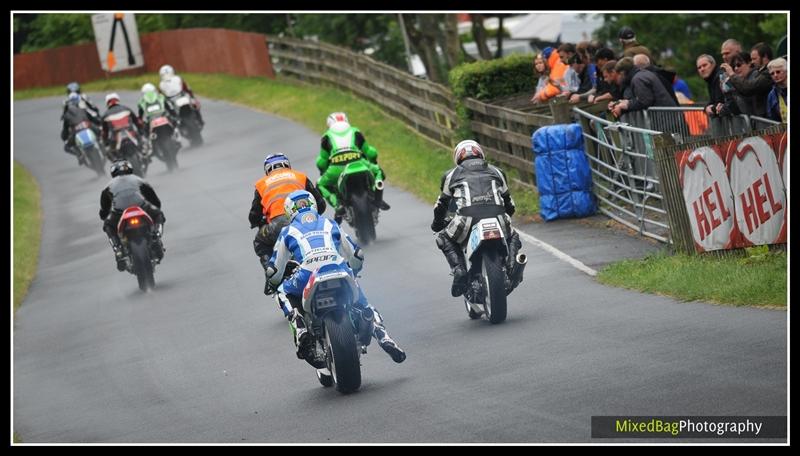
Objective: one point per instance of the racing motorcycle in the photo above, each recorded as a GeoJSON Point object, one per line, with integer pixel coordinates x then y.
{"type": "Point", "coordinates": [163, 141]}
{"type": "Point", "coordinates": [189, 124]}
{"type": "Point", "coordinates": [137, 232]}
{"type": "Point", "coordinates": [340, 330]}
{"type": "Point", "coordinates": [491, 277]}
{"type": "Point", "coordinates": [89, 148]}
{"type": "Point", "coordinates": [127, 145]}
{"type": "Point", "coordinates": [357, 189]}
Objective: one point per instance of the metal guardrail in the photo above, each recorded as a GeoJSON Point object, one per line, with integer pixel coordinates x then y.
{"type": "Point", "coordinates": [621, 154]}
{"type": "Point", "coordinates": [691, 123]}
{"type": "Point", "coordinates": [621, 161]}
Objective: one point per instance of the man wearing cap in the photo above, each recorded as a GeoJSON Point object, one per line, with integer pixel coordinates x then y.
{"type": "Point", "coordinates": [631, 47]}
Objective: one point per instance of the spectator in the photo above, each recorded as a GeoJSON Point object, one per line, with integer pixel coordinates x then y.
{"type": "Point", "coordinates": [708, 69]}
{"type": "Point", "coordinates": [571, 81]}
{"type": "Point", "coordinates": [555, 70]}
{"type": "Point", "coordinates": [729, 48]}
{"type": "Point", "coordinates": [630, 46]}
{"type": "Point", "coordinates": [646, 89]}
{"type": "Point", "coordinates": [603, 56]}
{"type": "Point", "coordinates": [681, 87]}
{"type": "Point", "coordinates": [757, 86]}
{"type": "Point", "coordinates": [666, 77]}
{"type": "Point", "coordinates": [735, 101]}
{"type": "Point", "coordinates": [587, 82]}
{"type": "Point", "coordinates": [545, 89]}
{"type": "Point", "coordinates": [565, 51]}
{"type": "Point", "coordinates": [607, 88]}
{"type": "Point", "coordinates": [778, 98]}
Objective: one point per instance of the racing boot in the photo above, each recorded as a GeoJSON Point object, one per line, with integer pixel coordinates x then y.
{"type": "Point", "coordinates": [119, 255]}
{"type": "Point", "coordinates": [158, 245]}
{"type": "Point", "coordinates": [303, 340]}
{"type": "Point", "coordinates": [381, 203]}
{"type": "Point", "coordinates": [387, 343]}
{"type": "Point", "coordinates": [458, 267]}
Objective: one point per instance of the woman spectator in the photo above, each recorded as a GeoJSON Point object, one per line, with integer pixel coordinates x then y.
{"type": "Point", "coordinates": [778, 98]}
{"type": "Point", "coordinates": [550, 70]}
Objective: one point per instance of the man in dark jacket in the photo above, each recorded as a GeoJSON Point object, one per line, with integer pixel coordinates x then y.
{"type": "Point", "coordinates": [708, 69]}
{"type": "Point", "coordinates": [757, 85]}
{"type": "Point", "coordinates": [665, 76]}
{"type": "Point", "coordinates": [126, 190]}
{"type": "Point", "coordinates": [646, 89]}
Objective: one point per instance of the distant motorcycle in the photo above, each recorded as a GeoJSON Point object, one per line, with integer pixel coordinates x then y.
{"type": "Point", "coordinates": [356, 190]}
{"type": "Point", "coordinates": [89, 148]}
{"type": "Point", "coordinates": [163, 142]}
{"type": "Point", "coordinates": [136, 231]}
{"type": "Point", "coordinates": [489, 280]}
{"type": "Point", "coordinates": [189, 125]}
{"type": "Point", "coordinates": [128, 145]}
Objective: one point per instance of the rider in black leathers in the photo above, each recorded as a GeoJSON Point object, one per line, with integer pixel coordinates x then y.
{"type": "Point", "coordinates": [478, 189]}
{"type": "Point", "coordinates": [125, 190]}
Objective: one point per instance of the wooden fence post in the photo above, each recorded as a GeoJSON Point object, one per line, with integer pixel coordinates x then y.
{"type": "Point", "coordinates": [561, 109]}
{"type": "Point", "coordinates": [679, 226]}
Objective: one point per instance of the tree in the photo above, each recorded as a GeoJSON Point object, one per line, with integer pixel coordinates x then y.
{"type": "Point", "coordinates": [479, 33]}
{"type": "Point", "coordinates": [422, 30]}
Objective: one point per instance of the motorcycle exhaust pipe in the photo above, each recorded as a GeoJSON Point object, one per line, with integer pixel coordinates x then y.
{"type": "Point", "coordinates": [365, 326]}
{"type": "Point", "coordinates": [517, 268]}
{"type": "Point", "coordinates": [379, 185]}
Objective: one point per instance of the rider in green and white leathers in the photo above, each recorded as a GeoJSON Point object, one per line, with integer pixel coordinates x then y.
{"type": "Point", "coordinates": [337, 148]}
{"type": "Point", "coordinates": [153, 104]}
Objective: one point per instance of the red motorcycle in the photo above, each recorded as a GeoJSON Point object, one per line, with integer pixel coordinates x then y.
{"type": "Point", "coordinates": [137, 232]}
{"type": "Point", "coordinates": [163, 142]}
{"type": "Point", "coordinates": [126, 144]}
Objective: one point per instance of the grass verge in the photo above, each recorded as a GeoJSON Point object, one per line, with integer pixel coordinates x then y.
{"type": "Point", "coordinates": [757, 278]}
{"type": "Point", "coordinates": [27, 231]}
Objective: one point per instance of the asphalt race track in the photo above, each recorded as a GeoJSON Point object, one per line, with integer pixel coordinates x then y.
{"type": "Point", "coordinates": [206, 357]}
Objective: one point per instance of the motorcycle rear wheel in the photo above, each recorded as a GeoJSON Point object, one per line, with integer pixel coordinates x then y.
{"type": "Point", "coordinates": [495, 303]}
{"type": "Point", "coordinates": [142, 265]}
{"type": "Point", "coordinates": [341, 353]}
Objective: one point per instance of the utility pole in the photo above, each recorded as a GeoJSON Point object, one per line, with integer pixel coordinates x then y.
{"type": "Point", "coordinates": [405, 42]}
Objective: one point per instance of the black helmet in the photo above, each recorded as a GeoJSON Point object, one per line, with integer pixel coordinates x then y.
{"type": "Point", "coordinates": [626, 33]}
{"type": "Point", "coordinates": [73, 87]}
{"type": "Point", "coordinates": [120, 167]}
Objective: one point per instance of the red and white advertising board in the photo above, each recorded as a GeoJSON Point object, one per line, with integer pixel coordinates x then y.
{"type": "Point", "coordinates": [734, 192]}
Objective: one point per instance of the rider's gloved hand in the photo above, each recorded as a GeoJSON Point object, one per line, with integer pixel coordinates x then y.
{"type": "Point", "coordinates": [438, 225]}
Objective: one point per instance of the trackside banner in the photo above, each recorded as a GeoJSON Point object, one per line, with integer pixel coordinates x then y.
{"type": "Point", "coordinates": [735, 192]}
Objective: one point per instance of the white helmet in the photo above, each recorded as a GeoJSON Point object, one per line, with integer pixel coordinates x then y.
{"type": "Point", "coordinates": [110, 97]}
{"type": "Point", "coordinates": [147, 88]}
{"type": "Point", "coordinates": [465, 149]}
{"type": "Point", "coordinates": [337, 117]}
{"type": "Point", "coordinates": [166, 72]}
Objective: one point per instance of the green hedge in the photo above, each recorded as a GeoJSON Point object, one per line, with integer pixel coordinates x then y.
{"type": "Point", "coordinates": [488, 79]}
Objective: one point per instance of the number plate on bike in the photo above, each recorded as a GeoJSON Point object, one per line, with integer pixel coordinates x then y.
{"type": "Point", "coordinates": [490, 230]}
{"type": "Point", "coordinates": [158, 121]}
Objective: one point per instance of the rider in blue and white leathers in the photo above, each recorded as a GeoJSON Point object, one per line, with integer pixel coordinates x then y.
{"type": "Point", "coordinates": [310, 235]}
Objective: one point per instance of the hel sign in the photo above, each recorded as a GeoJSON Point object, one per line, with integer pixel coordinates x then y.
{"type": "Point", "coordinates": [117, 41]}
{"type": "Point", "coordinates": [735, 193]}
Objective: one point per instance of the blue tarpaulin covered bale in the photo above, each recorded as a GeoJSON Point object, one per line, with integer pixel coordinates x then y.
{"type": "Point", "coordinates": [563, 176]}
